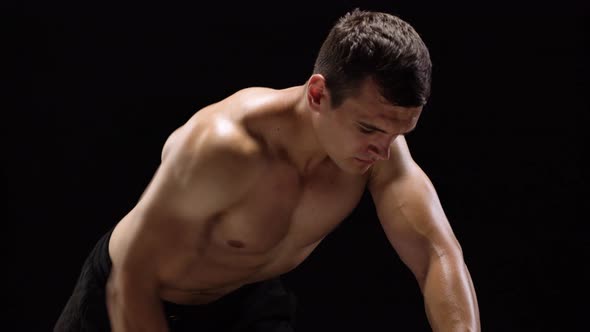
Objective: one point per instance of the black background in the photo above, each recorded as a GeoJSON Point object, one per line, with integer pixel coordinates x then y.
{"type": "Point", "coordinates": [93, 91]}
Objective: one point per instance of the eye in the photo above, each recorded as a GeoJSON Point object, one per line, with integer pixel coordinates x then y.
{"type": "Point", "coordinates": [366, 130]}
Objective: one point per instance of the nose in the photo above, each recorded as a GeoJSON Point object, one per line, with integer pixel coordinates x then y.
{"type": "Point", "coordinates": [381, 150]}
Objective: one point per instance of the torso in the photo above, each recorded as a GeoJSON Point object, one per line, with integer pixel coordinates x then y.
{"type": "Point", "coordinates": [269, 232]}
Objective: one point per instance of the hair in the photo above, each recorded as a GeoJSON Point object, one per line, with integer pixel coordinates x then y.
{"type": "Point", "coordinates": [380, 46]}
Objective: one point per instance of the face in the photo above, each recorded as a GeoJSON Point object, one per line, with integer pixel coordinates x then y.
{"type": "Point", "coordinates": [361, 130]}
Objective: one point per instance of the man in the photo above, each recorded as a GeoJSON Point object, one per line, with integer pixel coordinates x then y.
{"type": "Point", "coordinates": [249, 186]}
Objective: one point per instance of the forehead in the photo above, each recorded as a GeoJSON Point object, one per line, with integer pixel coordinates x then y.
{"type": "Point", "coordinates": [369, 104]}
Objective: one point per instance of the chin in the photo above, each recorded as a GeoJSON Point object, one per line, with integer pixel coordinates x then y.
{"type": "Point", "coordinates": [352, 166]}
{"type": "Point", "coordinates": [364, 171]}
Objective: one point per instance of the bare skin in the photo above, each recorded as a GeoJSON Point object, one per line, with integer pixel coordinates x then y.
{"type": "Point", "coordinates": [248, 188]}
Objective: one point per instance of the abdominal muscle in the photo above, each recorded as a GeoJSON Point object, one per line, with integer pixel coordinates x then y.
{"type": "Point", "coordinates": [195, 297]}
{"type": "Point", "coordinates": [235, 280]}
{"type": "Point", "coordinates": [283, 262]}
{"type": "Point", "coordinates": [221, 269]}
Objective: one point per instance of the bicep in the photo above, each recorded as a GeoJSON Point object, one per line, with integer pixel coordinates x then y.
{"type": "Point", "coordinates": [414, 221]}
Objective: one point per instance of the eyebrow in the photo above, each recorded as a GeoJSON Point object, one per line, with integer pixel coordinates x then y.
{"type": "Point", "coordinates": [369, 126]}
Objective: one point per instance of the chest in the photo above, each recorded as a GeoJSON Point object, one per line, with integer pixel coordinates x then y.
{"type": "Point", "coordinates": [289, 210]}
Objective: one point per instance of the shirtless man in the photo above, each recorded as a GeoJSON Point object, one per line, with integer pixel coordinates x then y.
{"type": "Point", "coordinates": [249, 186]}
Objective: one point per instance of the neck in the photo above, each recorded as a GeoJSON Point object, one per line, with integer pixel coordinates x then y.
{"type": "Point", "coordinates": [302, 145]}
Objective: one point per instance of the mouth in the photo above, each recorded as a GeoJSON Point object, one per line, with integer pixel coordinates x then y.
{"type": "Point", "coordinates": [366, 162]}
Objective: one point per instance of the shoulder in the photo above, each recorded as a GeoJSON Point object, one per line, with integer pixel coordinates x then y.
{"type": "Point", "coordinates": [399, 166]}
{"type": "Point", "coordinates": [260, 100]}
{"type": "Point", "coordinates": [221, 136]}
{"type": "Point", "coordinates": [216, 147]}
{"type": "Point", "coordinates": [213, 162]}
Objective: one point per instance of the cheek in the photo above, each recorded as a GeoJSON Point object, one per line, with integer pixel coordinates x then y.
{"type": "Point", "coordinates": [360, 144]}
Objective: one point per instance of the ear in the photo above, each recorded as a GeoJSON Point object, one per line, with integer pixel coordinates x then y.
{"type": "Point", "coordinates": [316, 93]}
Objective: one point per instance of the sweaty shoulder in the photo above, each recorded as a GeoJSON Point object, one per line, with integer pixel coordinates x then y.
{"type": "Point", "coordinates": [217, 140]}
{"type": "Point", "coordinates": [208, 164]}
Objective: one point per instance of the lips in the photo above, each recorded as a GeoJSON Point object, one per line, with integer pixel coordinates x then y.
{"type": "Point", "coordinates": [365, 161]}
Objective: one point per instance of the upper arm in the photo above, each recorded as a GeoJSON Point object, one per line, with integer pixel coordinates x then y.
{"type": "Point", "coordinates": [410, 212]}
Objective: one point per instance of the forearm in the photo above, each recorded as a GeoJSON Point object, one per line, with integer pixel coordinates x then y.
{"type": "Point", "coordinates": [449, 296]}
{"type": "Point", "coordinates": [132, 308]}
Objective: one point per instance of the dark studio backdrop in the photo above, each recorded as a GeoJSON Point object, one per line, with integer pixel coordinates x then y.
{"type": "Point", "coordinates": [100, 89]}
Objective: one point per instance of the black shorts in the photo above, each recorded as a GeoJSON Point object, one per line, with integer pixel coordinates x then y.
{"type": "Point", "coordinates": [262, 306]}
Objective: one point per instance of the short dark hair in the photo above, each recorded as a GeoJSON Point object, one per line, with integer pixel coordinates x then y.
{"type": "Point", "coordinates": [381, 46]}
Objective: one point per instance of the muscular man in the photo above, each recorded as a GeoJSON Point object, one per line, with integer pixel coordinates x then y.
{"type": "Point", "coordinates": [250, 185]}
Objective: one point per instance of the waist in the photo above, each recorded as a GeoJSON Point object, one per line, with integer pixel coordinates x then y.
{"type": "Point", "coordinates": [195, 297]}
